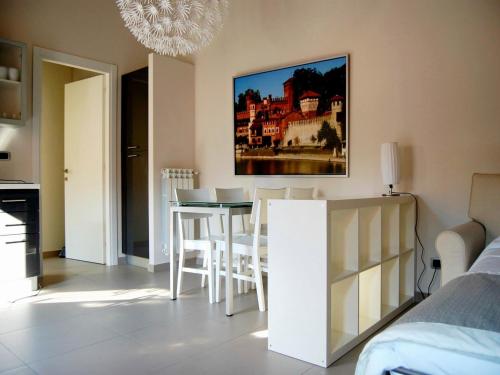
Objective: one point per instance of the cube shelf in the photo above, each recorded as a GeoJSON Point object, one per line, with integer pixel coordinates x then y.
{"type": "Point", "coordinates": [390, 231]}
{"type": "Point", "coordinates": [406, 227]}
{"type": "Point", "coordinates": [406, 276]}
{"type": "Point", "coordinates": [369, 298]}
{"type": "Point", "coordinates": [344, 311]}
{"type": "Point", "coordinates": [390, 286]}
{"type": "Point", "coordinates": [369, 236]}
{"type": "Point", "coordinates": [344, 248]}
{"type": "Point", "coordinates": [355, 258]}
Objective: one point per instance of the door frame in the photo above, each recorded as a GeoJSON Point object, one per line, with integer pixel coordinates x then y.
{"type": "Point", "coordinates": [41, 55]}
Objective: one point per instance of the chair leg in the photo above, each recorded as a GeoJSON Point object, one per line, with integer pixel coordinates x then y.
{"type": "Point", "coordinates": [257, 271]}
{"type": "Point", "coordinates": [180, 269]}
{"type": "Point", "coordinates": [245, 268]}
{"type": "Point", "coordinates": [210, 270]}
{"type": "Point", "coordinates": [238, 270]}
{"type": "Point", "coordinates": [218, 255]}
{"type": "Point", "coordinates": [203, 277]}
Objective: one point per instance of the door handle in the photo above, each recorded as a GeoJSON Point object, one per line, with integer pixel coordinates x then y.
{"type": "Point", "coordinates": [133, 156]}
{"type": "Point", "coordinates": [13, 200]}
{"type": "Point", "coordinates": [132, 147]}
{"type": "Point", "coordinates": [13, 242]}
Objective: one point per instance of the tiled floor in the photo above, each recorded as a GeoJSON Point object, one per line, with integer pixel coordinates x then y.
{"type": "Point", "coordinates": [90, 319]}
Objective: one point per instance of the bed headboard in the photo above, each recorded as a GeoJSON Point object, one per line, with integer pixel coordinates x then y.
{"type": "Point", "coordinates": [484, 203]}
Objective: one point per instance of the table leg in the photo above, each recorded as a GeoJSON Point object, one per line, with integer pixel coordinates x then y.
{"type": "Point", "coordinates": [229, 261]}
{"type": "Point", "coordinates": [173, 253]}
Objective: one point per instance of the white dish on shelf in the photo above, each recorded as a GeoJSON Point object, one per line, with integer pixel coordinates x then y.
{"type": "Point", "coordinates": [14, 74]}
{"type": "Point", "coordinates": [3, 72]}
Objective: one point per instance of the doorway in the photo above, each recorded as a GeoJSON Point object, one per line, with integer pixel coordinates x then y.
{"type": "Point", "coordinates": [91, 211]}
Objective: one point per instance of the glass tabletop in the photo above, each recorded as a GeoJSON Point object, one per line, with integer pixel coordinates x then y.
{"type": "Point", "coordinates": [212, 204]}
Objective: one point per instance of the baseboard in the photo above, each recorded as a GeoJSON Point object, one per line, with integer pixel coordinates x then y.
{"type": "Point", "coordinates": [137, 261]}
{"type": "Point", "coordinates": [50, 254]}
{"type": "Point", "coordinates": [192, 257]}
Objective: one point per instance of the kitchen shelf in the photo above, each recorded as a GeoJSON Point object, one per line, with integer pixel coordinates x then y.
{"type": "Point", "coordinates": [13, 99]}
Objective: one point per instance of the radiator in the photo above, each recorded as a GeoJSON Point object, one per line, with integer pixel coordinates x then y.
{"type": "Point", "coordinates": [171, 179]}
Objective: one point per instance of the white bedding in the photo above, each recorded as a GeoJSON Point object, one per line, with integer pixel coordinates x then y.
{"type": "Point", "coordinates": [489, 260]}
{"type": "Point", "coordinates": [432, 348]}
{"type": "Point", "coordinates": [437, 348]}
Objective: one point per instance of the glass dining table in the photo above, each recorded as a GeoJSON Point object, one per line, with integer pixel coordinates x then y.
{"type": "Point", "coordinates": [227, 210]}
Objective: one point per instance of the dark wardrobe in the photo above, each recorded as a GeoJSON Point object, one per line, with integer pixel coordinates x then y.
{"type": "Point", "coordinates": [134, 145]}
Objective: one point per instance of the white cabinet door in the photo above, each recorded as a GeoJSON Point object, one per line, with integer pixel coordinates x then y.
{"type": "Point", "coordinates": [84, 110]}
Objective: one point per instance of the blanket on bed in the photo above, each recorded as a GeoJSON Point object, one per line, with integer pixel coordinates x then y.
{"type": "Point", "coordinates": [471, 300]}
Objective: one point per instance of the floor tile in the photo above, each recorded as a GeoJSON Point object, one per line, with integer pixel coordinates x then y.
{"type": "Point", "coordinates": [247, 354]}
{"type": "Point", "coordinates": [116, 356]}
{"type": "Point", "coordinates": [8, 360]}
{"type": "Point", "coordinates": [24, 370]}
{"type": "Point", "coordinates": [53, 339]}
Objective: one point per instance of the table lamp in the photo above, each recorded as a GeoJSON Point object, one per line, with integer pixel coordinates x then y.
{"type": "Point", "coordinates": [389, 163]}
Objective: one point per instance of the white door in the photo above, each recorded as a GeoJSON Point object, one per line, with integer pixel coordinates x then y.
{"type": "Point", "coordinates": [84, 110]}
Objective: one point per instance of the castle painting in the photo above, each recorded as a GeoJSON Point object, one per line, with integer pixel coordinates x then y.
{"type": "Point", "coordinates": [293, 120]}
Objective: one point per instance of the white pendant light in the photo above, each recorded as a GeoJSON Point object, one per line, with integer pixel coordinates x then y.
{"type": "Point", "coordinates": [173, 27]}
{"type": "Point", "coordinates": [389, 163]}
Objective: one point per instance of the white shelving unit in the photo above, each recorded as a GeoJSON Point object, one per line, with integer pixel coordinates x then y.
{"type": "Point", "coordinates": [340, 269]}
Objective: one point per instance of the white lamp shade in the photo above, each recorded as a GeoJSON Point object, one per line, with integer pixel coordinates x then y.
{"type": "Point", "coordinates": [389, 162]}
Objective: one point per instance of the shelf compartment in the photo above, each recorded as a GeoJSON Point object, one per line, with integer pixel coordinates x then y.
{"type": "Point", "coordinates": [406, 226]}
{"type": "Point", "coordinates": [344, 242]}
{"type": "Point", "coordinates": [370, 238]}
{"type": "Point", "coordinates": [13, 101]}
{"type": "Point", "coordinates": [344, 312]}
{"type": "Point", "coordinates": [406, 276]}
{"type": "Point", "coordinates": [369, 297]}
{"type": "Point", "coordinates": [390, 230]}
{"type": "Point", "coordinates": [390, 286]}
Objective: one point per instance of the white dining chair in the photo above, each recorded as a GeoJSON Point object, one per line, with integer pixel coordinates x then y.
{"type": "Point", "coordinates": [231, 195]}
{"type": "Point", "coordinates": [301, 193]}
{"type": "Point", "coordinates": [205, 244]}
{"type": "Point", "coordinates": [252, 245]}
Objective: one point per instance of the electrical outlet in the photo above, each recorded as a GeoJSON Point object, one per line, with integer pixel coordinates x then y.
{"type": "Point", "coordinates": [436, 263]}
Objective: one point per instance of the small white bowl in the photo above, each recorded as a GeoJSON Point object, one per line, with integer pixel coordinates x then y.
{"type": "Point", "coordinates": [3, 72]}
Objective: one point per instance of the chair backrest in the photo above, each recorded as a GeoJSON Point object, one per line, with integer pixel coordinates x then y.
{"type": "Point", "coordinates": [192, 195]}
{"type": "Point", "coordinates": [230, 195]}
{"type": "Point", "coordinates": [264, 195]}
{"type": "Point", "coordinates": [484, 203]}
{"type": "Point", "coordinates": [300, 193]}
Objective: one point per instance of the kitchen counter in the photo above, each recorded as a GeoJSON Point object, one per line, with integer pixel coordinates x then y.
{"type": "Point", "coordinates": [14, 185]}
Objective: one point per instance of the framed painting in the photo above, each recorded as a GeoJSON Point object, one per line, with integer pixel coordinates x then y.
{"type": "Point", "coordinates": [293, 121]}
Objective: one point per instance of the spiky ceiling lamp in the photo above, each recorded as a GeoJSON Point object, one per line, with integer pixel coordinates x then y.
{"type": "Point", "coordinates": [173, 27]}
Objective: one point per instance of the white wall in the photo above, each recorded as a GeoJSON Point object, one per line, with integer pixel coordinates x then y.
{"type": "Point", "coordinates": [424, 73]}
{"type": "Point", "coordinates": [171, 133]}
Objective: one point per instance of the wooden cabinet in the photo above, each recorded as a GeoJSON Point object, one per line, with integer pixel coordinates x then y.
{"type": "Point", "coordinates": [13, 72]}
{"type": "Point", "coordinates": [19, 234]}
{"type": "Point", "coordinates": [338, 271]}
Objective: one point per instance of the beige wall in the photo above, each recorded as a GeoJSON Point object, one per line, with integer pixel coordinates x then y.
{"type": "Point", "coordinates": [85, 28]}
{"type": "Point", "coordinates": [424, 73]}
{"type": "Point", "coordinates": [52, 151]}
{"type": "Point", "coordinates": [171, 133]}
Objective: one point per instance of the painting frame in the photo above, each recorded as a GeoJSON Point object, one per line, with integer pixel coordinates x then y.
{"type": "Point", "coordinates": [284, 152]}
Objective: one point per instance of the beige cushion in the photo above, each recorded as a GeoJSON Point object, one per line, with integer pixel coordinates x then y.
{"type": "Point", "coordinates": [484, 203]}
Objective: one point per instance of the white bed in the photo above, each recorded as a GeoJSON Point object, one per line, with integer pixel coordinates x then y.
{"type": "Point", "coordinates": [437, 348]}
